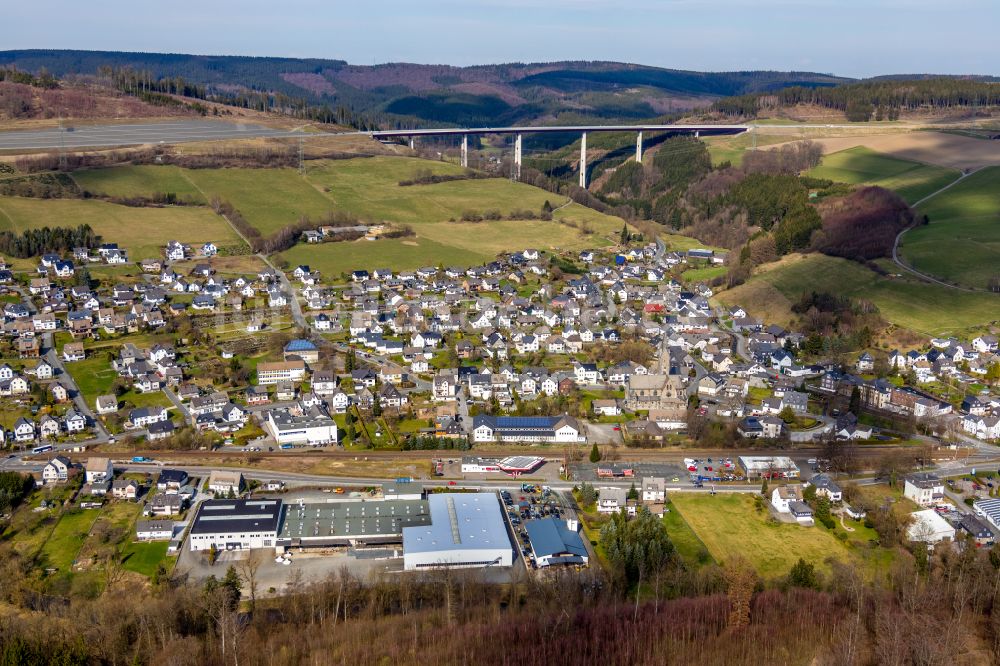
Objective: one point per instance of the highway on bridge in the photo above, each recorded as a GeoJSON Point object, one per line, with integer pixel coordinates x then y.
{"type": "Point", "coordinates": [71, 136]}
{"type": "Point", "coordinates": [130, 134]}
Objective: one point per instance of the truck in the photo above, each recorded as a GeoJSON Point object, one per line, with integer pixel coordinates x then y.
{"type": "Point", "coordinates": [141, 459]}
{"type": "Point", "coordinates": [287, 446]}
{"type": "Point", "coordinates": [403, 479]}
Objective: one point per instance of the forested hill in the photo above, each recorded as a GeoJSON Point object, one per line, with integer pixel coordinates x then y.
{"type": "Point", "coordinates": [883, 98]}
{"type": "Point", "coordinates": [402, 93]}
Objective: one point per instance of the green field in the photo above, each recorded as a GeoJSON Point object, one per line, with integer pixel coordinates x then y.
{"type": "Point", "coordinates": [369, 187]}
{"type": "Point", "coordinates": [962, 242]}
{"type": "Point", "coordinates": [681, 243]}
{"type": "Point", "coordinates": [93, 376]}
{"type": "Point", "coordinates": [729, 526]}
{"type": "Point", "coordinates": [733, 148]}
{"type": "Point", "coordinates": [856, 166]}
{"type": "Point", "coordinates": [924, 308]}
{"type": "Point", "coordinates": [399, 254]}
{"type": "Point", "coordinates": [142, 231]}
{"type": "Point", "coordinates": [139, 181]}
{"type": "Point", "coordinates": [704, 274]}
{"type": "Point", "coordinates": [61, 548]}
{"type": "Point", "coordinates": [691, 549]}
{"type": "Point", "coordinates": [269, 199]}
{"type": "Point", "coordinates": [144, 557]}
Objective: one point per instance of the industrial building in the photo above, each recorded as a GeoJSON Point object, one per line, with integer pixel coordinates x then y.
{"type": "Point", "coordinates": [236, 524]}
{"type": "Point", "coordinates": [988, 509]}
{"type": "Point", "coordinates": [465, 530]}
{"type": "Point", "coordinates": [772, 467]}
{"type": "Point", "coordinates": [556, 542]}
{"type": "Point", "coordinates": [350, 523]}
{"type": "Point", "coordinates": [314, 428]}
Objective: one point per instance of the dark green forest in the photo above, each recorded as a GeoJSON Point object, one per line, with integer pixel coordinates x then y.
{"type": "Point", "coordinates": [882, 99]}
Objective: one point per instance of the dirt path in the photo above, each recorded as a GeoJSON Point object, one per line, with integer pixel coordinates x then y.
{"type": "Point", "coordinates": [842, 524]}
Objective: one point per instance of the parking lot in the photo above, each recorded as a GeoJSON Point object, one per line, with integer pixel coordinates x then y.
{"type": "Point", "coordinates": [525, 505]}
{"type": "Point", "coordinates": [548, 472]}
{"type": "Point", "coordinates": [273, 577]}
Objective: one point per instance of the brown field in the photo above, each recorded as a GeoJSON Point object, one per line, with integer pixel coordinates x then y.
{"type": "Point", "coordinates": [948, 150]}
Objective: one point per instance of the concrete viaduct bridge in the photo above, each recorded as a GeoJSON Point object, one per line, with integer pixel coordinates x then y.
{"type": "Point", "coordinates": [583, 130]}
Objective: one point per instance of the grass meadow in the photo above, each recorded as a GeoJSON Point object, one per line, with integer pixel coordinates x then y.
{"type": "Point", "coordinates": [729, 525]}
{"type": "Point", "coordinates": [142, 231]}
{"type": "Point", "coordinates": [63, 545]}
{"type": "Point", "coordinates": [920, 307]}
{"type": "Point", "coordinates": [144, 557]}
{"type": "Point", "coordinates": [962, 242]}
{"type": "Point", "coordinates": [270, 199]}
{"type": "Point", "coordinates": [863, 166]}
{"type": "Point", "coordinates": [138, 181]}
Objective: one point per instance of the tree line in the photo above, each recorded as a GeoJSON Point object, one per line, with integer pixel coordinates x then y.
{"type": "Point", "coordinates": [882, 99]}
{"type": "Point", "coordinates": [36, 242]}
{"type": "Point", "coordinates": [41, 80]}
{"type": "Point", "coordinates": [160, 89]}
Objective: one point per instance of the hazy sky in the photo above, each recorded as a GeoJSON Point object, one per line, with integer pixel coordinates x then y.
{"type": "Point", "coordinates": [847, 37]}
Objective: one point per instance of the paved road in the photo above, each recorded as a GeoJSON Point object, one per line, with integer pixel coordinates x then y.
{"type": "Point", "coordinates": [178, 131]}
{"type": "Point", "coordinates": [67, 380]}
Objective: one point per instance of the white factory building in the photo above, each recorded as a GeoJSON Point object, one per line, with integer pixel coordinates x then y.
{"type": "Point", "coordinates": [466, 530]}
{"type": "Point", "coordinates": [236, 524]}
{"type": "Point", "coordinates": [314, 427]}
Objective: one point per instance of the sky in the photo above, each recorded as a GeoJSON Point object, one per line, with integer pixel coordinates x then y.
{"type": "Point", "coordinates": [846, 37]}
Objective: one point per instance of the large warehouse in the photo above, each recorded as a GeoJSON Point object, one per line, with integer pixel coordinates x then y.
{"type": "Point", "coordinates": [350, 523]}
{"type": "Point", "coordinates": [236, 524]}
{"type": "Point", "coordinates": [466, 530]}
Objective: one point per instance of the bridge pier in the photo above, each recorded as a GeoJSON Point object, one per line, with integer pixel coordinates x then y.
{"type": "Point", "coordinates": [412, 143]}
{"type": "Point", "coordinates": [638, 148]}
{"type": "Point", "coordinates": [465, 150]}
{"type": "Point", "coordinates": [583, 160]}
{"type": "Point", "coordinates": [517, 158]}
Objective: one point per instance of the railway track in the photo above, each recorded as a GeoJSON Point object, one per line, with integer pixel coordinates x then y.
{"type": "Point", "coordinates": [624, 455]}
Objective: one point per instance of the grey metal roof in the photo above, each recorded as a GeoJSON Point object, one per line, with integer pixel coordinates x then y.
{"type": "Point", "coordinates": [550, 537]}
{"type": "Point", "coordinates": [459, 521]}
{"type": "Point", "coordinates": [215, 516]}
{"type": "Point", "coordinates": [320, 521]}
